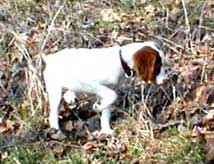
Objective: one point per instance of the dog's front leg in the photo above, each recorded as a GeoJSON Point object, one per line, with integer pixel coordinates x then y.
{"type": "Point", "coordinates": [70, 98]}
{"type": "Point", "coordinates": [108, 97]}
{"type": "Point", "coordinates": [105, 121]}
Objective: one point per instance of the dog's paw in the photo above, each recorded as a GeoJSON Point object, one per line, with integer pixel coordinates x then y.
{"type": "Point", "coordinates": [97, 106]}
{"type": "Point", "coordinates": [69, 97]}
{"type": "Point", "coordinates": [101, 133]}
{"type": "Point", "coordinates": [107, 132]}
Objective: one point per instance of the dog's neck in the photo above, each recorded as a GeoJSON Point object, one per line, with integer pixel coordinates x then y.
{"type": "Point", "coordinates": [129, 72]}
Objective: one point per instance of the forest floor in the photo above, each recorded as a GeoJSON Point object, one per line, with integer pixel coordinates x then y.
{"type": "Point", "coordinates": [174, 125]}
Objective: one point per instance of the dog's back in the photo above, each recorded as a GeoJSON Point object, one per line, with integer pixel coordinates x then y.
{"type": "Point", "coordinates": [84, 65]}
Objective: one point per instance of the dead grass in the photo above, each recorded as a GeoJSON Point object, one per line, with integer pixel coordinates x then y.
{"type": "Point", "coordinates": [148, 133]}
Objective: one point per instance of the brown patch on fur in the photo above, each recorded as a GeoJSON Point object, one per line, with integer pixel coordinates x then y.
{"type": "Point", "coordinates": [147, 63]}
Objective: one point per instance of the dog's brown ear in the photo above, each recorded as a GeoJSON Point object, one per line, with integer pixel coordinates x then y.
{"type": "Point", "coordinates": [147, 63]}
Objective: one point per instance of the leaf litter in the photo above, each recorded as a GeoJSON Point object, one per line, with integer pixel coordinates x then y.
{"type": "Point", "coordinates": [186, 100]}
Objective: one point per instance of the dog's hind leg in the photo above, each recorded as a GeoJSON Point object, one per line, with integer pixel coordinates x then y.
{"type": "Point", "coordinates": [54, 94]}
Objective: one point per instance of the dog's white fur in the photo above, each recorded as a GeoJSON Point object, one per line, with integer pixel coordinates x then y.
{"type": "Point", "coordinates": [89, 70]}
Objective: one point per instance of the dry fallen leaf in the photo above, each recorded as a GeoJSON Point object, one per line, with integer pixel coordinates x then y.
{"type": "Point", "coordinates": [7, 126]}
{"type": "Point", "coordinates": [150, 10]}
{"type": "Point", "coordinates": [55, 134]}
{"type": "Point", "coordinates": [209, 137]}
{"type": "Point", "coordinates": [209, 120]}
{"type": "Point", "coordinates": [210, 115]}
{"type": "Point", "coordinates": [109, 15]}
{"type": "Point", "coordinates": [90, 147]}
{"type": "Point", "coordinates": [57, 147]}
{"type": "Point", "coordinates": [3, 155]}
{"type": "Point", "coordinates": [69, 126]}
{"type": "Point", "coordinates": [4, 65]}
{"type": "Point", "coordinates": [197, 135]}
{"type": "Point", "coordinates": [189, 74]}
{"type": "Point", "coordinates": [206, 133]}
{"type": "Point", "coordinates": [205, 95]}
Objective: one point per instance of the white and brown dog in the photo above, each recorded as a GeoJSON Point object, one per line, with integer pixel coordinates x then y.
{"type": "Point", "coordinates": [91, 70]}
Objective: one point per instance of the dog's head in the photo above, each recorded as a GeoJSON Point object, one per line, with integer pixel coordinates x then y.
{"type": "Point", "coordinates": [149, 64]}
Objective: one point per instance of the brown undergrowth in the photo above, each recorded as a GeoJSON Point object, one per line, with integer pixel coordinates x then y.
{"type": "Point", "coordinates": [174, 125]}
